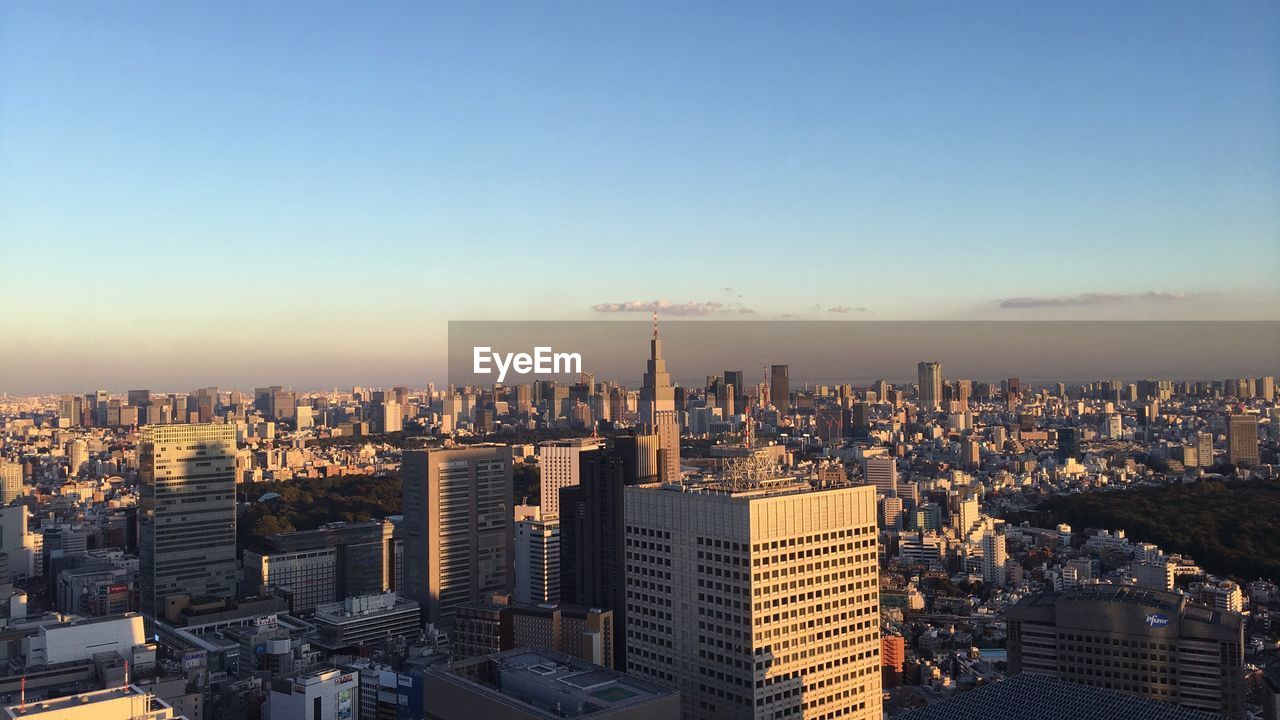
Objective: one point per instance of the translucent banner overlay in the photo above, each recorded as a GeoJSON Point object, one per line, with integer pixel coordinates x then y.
{"type": "Point", "coordinates": [862, 352]}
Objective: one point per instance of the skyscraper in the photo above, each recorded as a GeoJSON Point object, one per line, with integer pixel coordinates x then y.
{"type": "Point", "coordinates": [1149, 642]}
{"type": "Point", "coordinates": [186, 513]}
{"type": "Point", "coordinates": [458, 527]}
{"type": "Point", "coordinates": [882, 472]}
{"type": "Point", "coordinates": [591, 537]}
{"type": "Point", "coordinates": [993, 557]}
{"type": "Point", "coordinates": [930, 379]}
{"type": "Point", "coordinates": [537, 560]}
{"type": "Point", "coordinates": [1242, 440]}
{"type": "Point", "coordinates": [756, 603]}
{"type": "Point", "coordinates": [10, 481]}
{"type": "Point", "coordinates": [780, 387]}
{"type": "Point", "coordinates": [1204, 449]}
{"type": "Point", "coordinates": [1068, 443]}
{"type": "Point", "coordinates": [658, 409]}
{"type": "Point", "coordinates": [558, 467]}
{"type": "Point", "coordinates": [737, 379]}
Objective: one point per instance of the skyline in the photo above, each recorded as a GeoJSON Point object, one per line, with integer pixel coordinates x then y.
{"type": "Point", "coordinates": [276, 178]}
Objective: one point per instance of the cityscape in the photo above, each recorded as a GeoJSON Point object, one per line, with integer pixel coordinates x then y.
{"type": "Point", "coordinates": [823, 360]}
{"type": "Point", "coordinates": [743, 548]}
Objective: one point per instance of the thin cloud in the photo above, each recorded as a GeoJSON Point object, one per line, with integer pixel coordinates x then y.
{"type": "Point", "coordinates": [1082, 299]}
{"type": "Point", "coordinates": [845, 309]}
{"type": "Point", "coordinates": [664, 307]}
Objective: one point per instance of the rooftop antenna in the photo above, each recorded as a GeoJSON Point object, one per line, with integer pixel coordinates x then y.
{"type": "Point", "coordinates": [655, 324]}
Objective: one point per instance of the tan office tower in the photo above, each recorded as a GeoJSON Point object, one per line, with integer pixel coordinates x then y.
{"type": "Point", "coordinates": [658, 410]}
{"type": "Point", "coordinates": [755, 603]}
{"type": "Point", "coordinates": [1242, 440]}
{"type": "Point", "coordinates": [558, 467]}
{"type": "Point", "coordinates": [930, 378]}
{"type": "Point", "coordinates": [186, 513]}
{"type": "Point", "coordinates": [881, 471]}
{"type": "Point", "coordinates": [458, 527]}
{"type": "Point", "coordinates": [10, 481]}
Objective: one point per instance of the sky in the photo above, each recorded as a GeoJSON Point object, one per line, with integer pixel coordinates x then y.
{"type": "Point", "coordinates": [306, 193]}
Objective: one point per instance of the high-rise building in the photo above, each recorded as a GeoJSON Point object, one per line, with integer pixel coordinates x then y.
{"type": "Point", "coordinates": [1068, 443]}
{"type": "Point", "coordinates": [737, 379]}
{"type": "Point", "coordinates": [1242, 440]}
{"type": "Point", "coordinates": [457, 527]}
{"type": "Point", "coordinates": [10, 481]}
{"type": "Point", "coordinates": [993, 557]}
{"type": "Point", "coordinates": [1148, 642]}
{"type": "Point", "coordinates": [1115, 426]}
{"type": "Point", "coordinates": [592, 553]}
{"type": "Point", "coordinates": [1204, 449]}
{"type": "Point", "coordinates": [186, 513]}
{"type": "Point", "coordinates": [537, 560]}
{"type": "Point", "coordinates": [890, 512]}
{"type": "Point", "coordinates": [882, 472]}
{"type": "Point", "coordinates": [780, 388]}
{"type": "Point", "coordinates": [558, 467]}
{"type": "Point", "coordinates": [658, 410]}
{"type": "Point", "coordinates": [893, 652]}
{"type": "Point", "coordinates": [756, 603]}
{"type": "Point", "coordinates": [930, 379]}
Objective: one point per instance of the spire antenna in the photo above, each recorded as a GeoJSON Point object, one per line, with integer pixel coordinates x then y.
{"type": "Point", "coordinates": [655, 324]}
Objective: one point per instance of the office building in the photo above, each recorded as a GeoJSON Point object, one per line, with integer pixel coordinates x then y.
{"type": "Point", "coordinates": [1204, 449]}
{"type": "Point", "coordinates": [780, 388]}
{"type": "Point", "coordinates": [537, 560]}
{"type": "Point", "coordinates": [1068, 444]}
{"type": "Point", "coordinates": [558, 467]}
{"type": "Point", "coordinates": [737, 380]}
{"type": "Point", "coordinates": [1115, 427]}
{"type": "Point", "coordinates": [1148, 642]}
{"type": "Point", "coordinates": [535, 684]}
{"type": "Point", "coordinates": [328, 694]}
{"type": "Point", "coordinates": [756, 602]}
{"type": "Point", "coordinates": [658, 415]}
{"type": "Point", "coordinates": [10, 481]}
{"type": "Point", "coordinates": [592, 551]}
{"type": "Point", "coordinates": [1028, 696]}
{"type": "Point", "coordinates": [498, 624]}
{"type": "Point", "coordinates": [881, 471]}
{"type": "Point", "coordinates": [930, 383]}
{"type": "Point", "coordinates": [186, 513]}
{"type": "Point", "coordinates": [458, 530]}
{"type": "Point", "coordinates": [336, 561]}
{"type": "Point", "coordinates": [1242, 440]}
{"type": "Point", "coordinates": [994, 557]}
{"type": "Point", "coordinates": [365, 619]}
{"type": "Point", "coordinates": [893, 653]}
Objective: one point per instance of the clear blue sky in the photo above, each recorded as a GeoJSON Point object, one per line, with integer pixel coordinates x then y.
{"type": "Point", "coordinates": [280, 175]}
